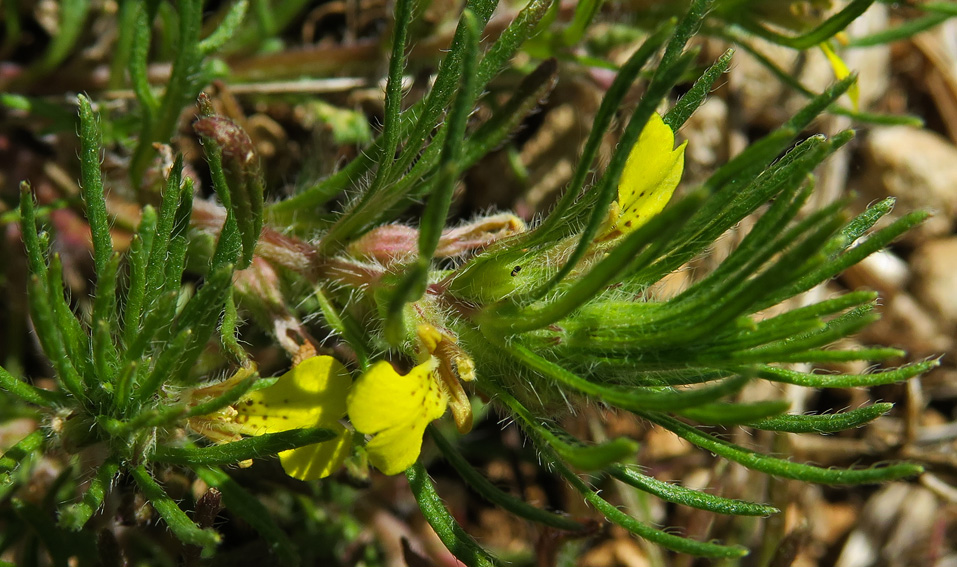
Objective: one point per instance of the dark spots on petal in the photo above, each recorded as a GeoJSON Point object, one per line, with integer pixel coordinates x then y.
{"type": "Point", "coordinates": [628, 224]}
{"type": "Point", "coordinates": [642, 194]}
{"type": "Point", "coordinates": [249, 402]}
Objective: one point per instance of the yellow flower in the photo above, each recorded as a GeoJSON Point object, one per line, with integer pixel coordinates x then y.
{"type": "Point", "coordinates": [312, 394]}
{"type": "Point", "coordinates": [396, 408]}
{"type": "Point", "coordinates": [651, 174]}
{"type": "Point", "coordinates": [841, 72]}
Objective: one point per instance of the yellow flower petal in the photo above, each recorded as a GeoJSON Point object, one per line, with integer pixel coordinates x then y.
{"type": "Point", "coordinates": [319, 460]}
{"type": "Point", "coordinates": [396, 409]}
{"type": "Point", "coordinates": [383, 398]}
{"type": "Point", "coordinates": [312, 394]}
{"type": "Point", "coordinates": [650, 177]}
{"type": "Point", "coordinates": [841, 71]}
{"type": "Point", "coordinates": [396, 449]}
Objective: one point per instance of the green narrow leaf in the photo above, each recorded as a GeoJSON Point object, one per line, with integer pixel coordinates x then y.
{"type": "Point", "coordinates": [92, 186]}
{"type": "Point", "coordinates": [828, 423]}
{"type": "Point", "coordinates": [852, 256]}
{"type": "Point", "coordinates": [824, 31]}
{"type": "Point", "coordinates": [518, 31]}
{"type": "Point", "coordinates": [583, 457]}
{"type": "Point", "coordinates": [939, 7]}
{"type": "Point", "coordinates": [28, 392]}
{"type": "Point", "coordinates": [813, 312]}
{"type": "Point", "coordinates": [836, 329]}
{"type": "Point", "coordinates": [157, 317]}
{"type": "Point", "coordinates": [437, 208]}
{"type": "Point", "coordinates": [696, 95]}
{"type": "Point", "coordinates": [352, 332]}
{"type": "Point", "coordinates": [765, 239]}
{"type": "Point", "coordinates": [140, 246]}
{"type": "Point", "coordinates": [104, 301]}
{"type": "Point", "coordinates": [488, 490]}
{"type": "Point", "coordinates": [410, 286]}
{"type": "Point", "coordinates": [162, 229]}
{"type": "Point", "coordinates": [392, 123]}
{"type": "Point", "coordinates": [226, 29]}
{"type": "Point", "coordinates": [687, 27]}
{"type": "Point", "coordinates": [595, 457]}
{"type": "Point", "coordinates": [228, 331]}
{"type": "Point", "coordinates": [139, 66]}
{"type": "Point", "coordinates": [20, 450]}
{"type": "Point", "coordinates": [809, 380]}
{"type": "Point", "coordinates": [170, 360]}
{"type": "Point", "coordinates": [185, 80]}
{"type": "Point", "coordinates": [237, 176]}
{"type": "Point", "coordinates": [74, 335]}
{"type": "Point", "coordinates": [447, 82]}
{"type": "Point", "coordinates": [735, 413]}
{"type": "Point", "coordinates": [201, 316]}
{"type": "Point", "coordinates": [105, 355]}
{"type": "Point", "coordinates": [52, 341]}
{"type": "Point", "coordinates": [234, 452]}
{"type": "Point", "coordinates": [726, 208]}
{"type": "Point", "coordinates": [71, 24]}
{"type": "Point", "coordinates": [462, 546]}
{"type": "Point", "coordinates": [624, 397]}
{"type": "Point", "coordinates": [36, 254]}
{"type": "Point", "coordinates": [780, 467]}
{"type": "Point", "coordinates": [177, 520]}
{"type": "Point", "coordinates": [678, 494]}
{"type": "Point", "coordinates": [756, 158]}
{"type": "Point", "coordinates": [123, 48]}
{"type": "Point", "coordinates": [124, 383]}
{"type": "Point", "coordinates": [664, 539]}
{"type": "Point", "coordinates": [585, 12]}
{"type": "Point", "coordinates": [176, 261]}
{"type": "Point", "coordinates": [75, 516]}
{"type": "Point", "coordinates": [229, 245]}
{"type": "Point", "coordinates": [788, 266]}
{"type": "Point", "coordinates": [826, 356]}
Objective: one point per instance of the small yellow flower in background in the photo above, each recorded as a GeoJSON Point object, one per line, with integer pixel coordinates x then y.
{"type": "Point", "coordinates": [312, 394]}
{"type": "Point", "coordinates": [841, 71]}
{"type": "Point", "coordinates": [395, 408]}
{"type": "Point", "coordinates": [651, 174]}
